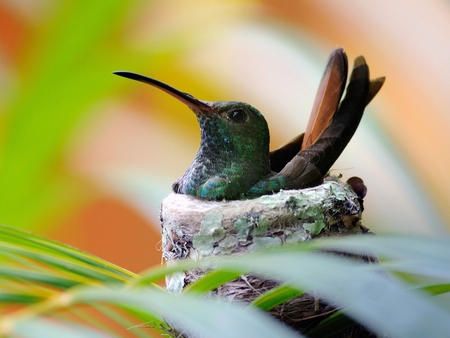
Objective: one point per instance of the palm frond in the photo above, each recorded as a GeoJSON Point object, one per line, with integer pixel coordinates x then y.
{"type": "Point", "coordinates": [51, 288]}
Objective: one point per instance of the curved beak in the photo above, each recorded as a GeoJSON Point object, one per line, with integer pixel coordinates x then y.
{"type": "Point", "coordinates": [196, 105]}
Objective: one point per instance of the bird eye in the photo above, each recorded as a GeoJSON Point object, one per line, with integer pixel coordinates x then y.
{"type": "Point", "coordinates": [238, 116]}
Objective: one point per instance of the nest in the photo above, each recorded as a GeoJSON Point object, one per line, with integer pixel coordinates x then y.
{"type": "Point", "coordinates": [196, 229]}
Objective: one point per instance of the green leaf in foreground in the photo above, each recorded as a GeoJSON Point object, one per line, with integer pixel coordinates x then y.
{"type": "Point", "coordinates": [276, 296]}
{"type": "Point", "coordinates": [392, 304]}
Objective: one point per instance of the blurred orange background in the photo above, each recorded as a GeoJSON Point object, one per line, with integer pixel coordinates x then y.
{"type": "Point", "coordinates": [86, 157]}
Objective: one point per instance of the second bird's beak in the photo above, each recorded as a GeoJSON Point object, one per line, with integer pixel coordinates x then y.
{"type": "Point", "coordinates": [196, 105]}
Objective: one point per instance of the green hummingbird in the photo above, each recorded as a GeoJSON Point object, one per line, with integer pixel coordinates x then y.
{"type": "Point", "coordinates": [234, 162]}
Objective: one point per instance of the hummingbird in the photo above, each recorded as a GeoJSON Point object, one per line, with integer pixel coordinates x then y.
{"type": "Point", "coordinates": [234, 162]}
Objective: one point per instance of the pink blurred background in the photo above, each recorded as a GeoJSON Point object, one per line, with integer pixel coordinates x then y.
{"type": "Point", "coordinates": [86, 157]}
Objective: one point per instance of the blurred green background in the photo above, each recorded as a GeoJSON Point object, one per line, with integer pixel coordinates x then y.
{"type": "Point", "coordinates": [86, 157]}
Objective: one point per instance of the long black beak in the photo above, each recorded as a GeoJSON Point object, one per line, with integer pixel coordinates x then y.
{"type": "Point", "coordinates": [193, 103]}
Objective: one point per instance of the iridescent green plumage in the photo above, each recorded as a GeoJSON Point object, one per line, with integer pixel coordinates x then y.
{"type": "Point", "coordinates": [234, 140]}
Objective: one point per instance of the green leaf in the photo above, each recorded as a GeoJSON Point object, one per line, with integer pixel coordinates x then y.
{"type": "Point", "coordinates": [6, 297]}
{"type": "Point", "coordinates": [276, 296]}
{"type": "Point", "coordinates": [206, 317]}
{"type": "Point", "coordinates": [436, 289]}
{"type": "Point", "coordinates": [30, 276]}
{"type": "Point", "coordinates": [211, 281]}
{"type": "Point", "coordinates": [41, 327]}
{"type": "Point", "coordinates": [70, 260]}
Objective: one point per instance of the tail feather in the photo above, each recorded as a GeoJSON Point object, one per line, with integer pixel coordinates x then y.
{"type": "Point", "coordinates": [298, 168]}
{"type": "Point", "coordinates": [328, 95]}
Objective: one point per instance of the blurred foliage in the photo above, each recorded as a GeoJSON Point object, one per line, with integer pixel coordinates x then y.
{"type": "Point", "coordinates": [57, 291]}
{"type": "Point", "coordinates": [61, 78]}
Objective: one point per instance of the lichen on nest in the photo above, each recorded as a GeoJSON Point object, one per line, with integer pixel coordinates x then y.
{"type": "Point", "coordinates": [195, 228]}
